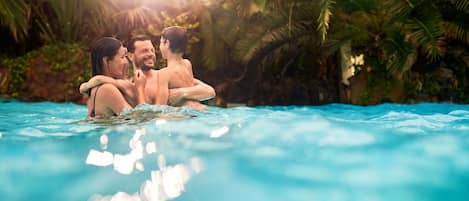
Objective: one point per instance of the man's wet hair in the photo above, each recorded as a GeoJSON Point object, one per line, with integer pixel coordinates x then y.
{"type": "Point", "coordinates": [177, 38]}
{"type": "Point", "coordinates": [103, 47]}
{"type": "Point", "coordinates": [133, 40]}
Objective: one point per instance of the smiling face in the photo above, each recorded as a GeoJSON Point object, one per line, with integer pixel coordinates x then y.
{"type": "Point", "coordinates": [118, 66]}
{"type": "Point", "coordinates": [144, 55]}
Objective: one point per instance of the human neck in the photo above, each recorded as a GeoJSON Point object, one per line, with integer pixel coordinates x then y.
{"type": "Point", "coordinates": [173, 59]}
{"type": "Point", "coordinates": [146, 71]}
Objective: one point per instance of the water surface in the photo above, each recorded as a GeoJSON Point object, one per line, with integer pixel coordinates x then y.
{"type": "Point", "coordinates": [331, 152]}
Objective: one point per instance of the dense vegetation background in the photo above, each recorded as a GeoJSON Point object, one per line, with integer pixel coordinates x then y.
{"type": "Point", "coordinates": [254, 52]}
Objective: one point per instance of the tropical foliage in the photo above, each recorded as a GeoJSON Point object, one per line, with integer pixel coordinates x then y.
{"type": "Point", "coordinates": [259, 42]}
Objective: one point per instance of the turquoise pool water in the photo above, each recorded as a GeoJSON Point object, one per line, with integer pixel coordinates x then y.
{"type": "Point", "coordinates": [331, 152]}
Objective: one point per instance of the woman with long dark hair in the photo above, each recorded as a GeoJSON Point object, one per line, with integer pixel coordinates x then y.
{"type": "Point", "coordinates": [108, 59]}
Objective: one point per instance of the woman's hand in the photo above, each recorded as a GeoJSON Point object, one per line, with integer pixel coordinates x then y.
{"type": "Point", "coordinates": [84, 88]}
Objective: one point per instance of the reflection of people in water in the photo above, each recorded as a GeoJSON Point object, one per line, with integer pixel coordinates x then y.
{"type": "Point", "coordinates": [142, 54]}
{"type": "Point", "coordinates": [110, 65]}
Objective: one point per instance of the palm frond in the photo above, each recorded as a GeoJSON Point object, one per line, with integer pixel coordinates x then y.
{"type": "Point", "coordinates": [402, 54]}
{"type": "Point", "coordinates": [134, 18]}
{"type": "Point", "coordinates": [456, 32]}
{"type": "Point", "coordinates": [462, 5]}
{"type": "Point", "coordinates": [68, 18]}
{"type": "Point", "coordinates": [16, 16]}
{"type": "Point", "coordinates": [428, 31]}
{"type": "Point", "coordinates": [324, 17]}
{"type": "Point", "coordinates": [215, 37]}
{"type": "Point", "coordinates": [276, 31]}
{"type": "Point", "coordinates": [398, 9]}
{"type": "Point", "coordinates": [259, 43]}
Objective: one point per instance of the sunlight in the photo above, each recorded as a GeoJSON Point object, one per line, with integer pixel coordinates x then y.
{"type": "Point", "coordinates": [150, 147]}
{"type": "Point", "coordinates": [99, 158]}
{"type": "Point", "coordinates": [104, 140]}
{"type": "Point", "coordinates": [219, 132]}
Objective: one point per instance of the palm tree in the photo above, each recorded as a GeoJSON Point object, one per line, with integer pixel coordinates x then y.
{"type": "Point", "coordinates": [277, 42]}
{"type": "Point", "coordinates": [71, 19]}
{"type": "Point", "coordinates": [16, 16]}
{"type": "Point", "coordinates": [393, 34]}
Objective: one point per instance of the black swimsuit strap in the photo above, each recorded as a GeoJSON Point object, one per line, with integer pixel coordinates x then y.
{"type": "Point", "coordinates": [92, 114]}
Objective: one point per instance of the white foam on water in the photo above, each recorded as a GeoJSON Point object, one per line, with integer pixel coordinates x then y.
{"type": "Point", "coordinates": [442, 118]}
{"type": "Point", "coordinates": [459, 112]}
{"type": "Point", "coordinates": [395, 116]}
{"type": "Point", "coordinates": [419, 123]}
{"type": "Point", "coordinates": [99, 158]}
{"type": "Point", "coordinates": [219, 132]}
{"type": "Point", "coordinates": [339, 137]}
{"type": "Point", "coordinates": [411, 130]}
{"type": "Point", "coordinates": [1, 135]}
{"type": "Point", "coordinates": [32, 132]}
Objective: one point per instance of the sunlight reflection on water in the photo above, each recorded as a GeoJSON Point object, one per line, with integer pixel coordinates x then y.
{"type": "Point", "coordinates": [330, 152]}
{"type": "Point", "coordinates": [166, 183]}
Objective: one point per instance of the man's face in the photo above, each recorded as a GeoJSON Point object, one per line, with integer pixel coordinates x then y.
{"type": "Point", "coordinates": [144, 55]}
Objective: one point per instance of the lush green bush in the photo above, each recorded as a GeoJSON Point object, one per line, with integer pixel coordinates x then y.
{"type": "Point", "coordinates": [61, 56]}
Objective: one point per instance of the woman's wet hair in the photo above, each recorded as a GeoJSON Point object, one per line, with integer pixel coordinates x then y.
{"type": "Point", "coordinates": [177, 38]}
{"type": "Point", "coordinates": [103, 47]}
